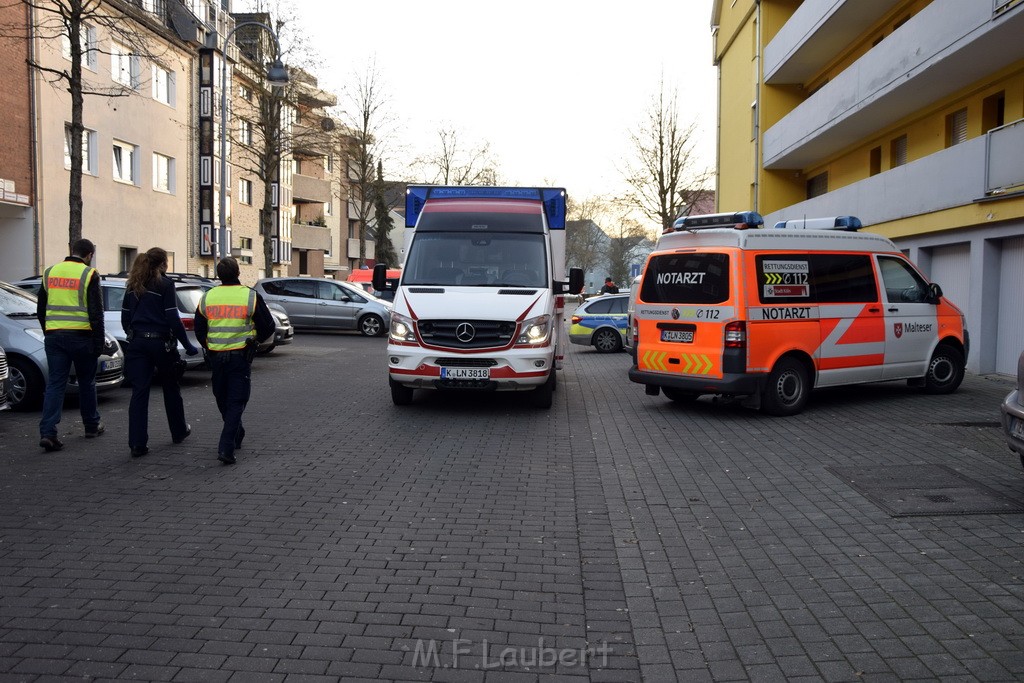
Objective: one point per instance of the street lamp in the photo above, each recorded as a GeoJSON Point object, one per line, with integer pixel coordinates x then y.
{"type": "Point", "coordinates": [277, 75]}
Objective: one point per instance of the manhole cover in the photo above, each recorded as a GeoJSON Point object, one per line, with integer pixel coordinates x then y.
{"type": "Point", "coordinates": [925, 490]}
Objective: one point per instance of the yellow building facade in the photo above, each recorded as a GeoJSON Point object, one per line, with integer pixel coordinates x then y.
{"type": "Point", "coordinates": [908, 114]}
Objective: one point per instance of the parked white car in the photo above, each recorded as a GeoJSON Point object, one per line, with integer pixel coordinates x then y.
{"type": "Point", "coordinates": [1013, 414]}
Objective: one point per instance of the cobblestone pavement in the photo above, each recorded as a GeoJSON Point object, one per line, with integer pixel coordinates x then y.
{"type": "Point", "coordinates": [616, 537]}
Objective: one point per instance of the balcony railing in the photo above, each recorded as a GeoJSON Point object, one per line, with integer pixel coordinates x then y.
{"type": "Point", "coordinates": [309, 189]}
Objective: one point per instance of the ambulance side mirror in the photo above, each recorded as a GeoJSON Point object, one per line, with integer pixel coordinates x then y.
{"type": "Point", "coordinates": [934, 293]}
{"type": "Point", "coordinates": [575, 280]}
{"type": "Point", "coordinates": [380, 277]}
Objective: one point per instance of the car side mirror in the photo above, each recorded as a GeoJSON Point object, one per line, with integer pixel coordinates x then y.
{"type": "Point", "coordinates": [575, 284]}
{"type": "Point", "coordinates": [934, 293]}
{"type": "Point", "coordinates": [380, 277]}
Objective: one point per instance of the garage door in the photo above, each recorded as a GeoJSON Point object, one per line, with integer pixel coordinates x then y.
{"type": "Point", "coordinates": [951, 269]}
{"type": "Point", "coordinates": [1010, 337]}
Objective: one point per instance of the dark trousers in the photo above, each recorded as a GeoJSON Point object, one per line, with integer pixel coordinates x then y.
{"type": "Point", "coordinates": [62, 352]}
{"type": "Point", "coordinates": [231, 387]}
{"type": "Point", "coordinates": [143, 358]}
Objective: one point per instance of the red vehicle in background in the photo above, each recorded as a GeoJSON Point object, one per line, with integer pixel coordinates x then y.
{"type": "Point", "coordinates": [364, 278]}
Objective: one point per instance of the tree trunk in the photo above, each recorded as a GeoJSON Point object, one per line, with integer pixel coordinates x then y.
{"type": "Point", "coordinates": [77, 128]}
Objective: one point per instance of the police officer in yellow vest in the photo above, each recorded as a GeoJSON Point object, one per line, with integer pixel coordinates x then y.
{"type": "Point", "coordinates": [70, 309]}
{"type": "Point", "coordinates": [229, 320]}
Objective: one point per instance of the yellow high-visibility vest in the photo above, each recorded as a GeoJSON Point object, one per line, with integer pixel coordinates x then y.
{"type": "Point", "coordinates": [229, 310]}
{"type": "Point", "coordinates": [66, 285]}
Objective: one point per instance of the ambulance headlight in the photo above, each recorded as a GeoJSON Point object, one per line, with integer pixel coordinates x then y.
{"type": "Point", "coordinates": [402, 329]}
{"type": "Point", "coordinates": [535, 331]}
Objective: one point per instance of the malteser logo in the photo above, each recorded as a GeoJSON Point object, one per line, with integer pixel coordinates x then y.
{"type": "Point", "coordinates": [897, 328]}
{"type": "Point", "coordinates": [675, 314]}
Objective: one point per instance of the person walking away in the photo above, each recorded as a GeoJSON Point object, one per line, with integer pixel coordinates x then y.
{"type": "Point", "coordinates": [149, 316]}
{"type": "Point", "coordinates": [609, 287]}
{"type": "Point", "coordinates": [70, 310]}
{"type": "Point", "coordinates": [230, 319]}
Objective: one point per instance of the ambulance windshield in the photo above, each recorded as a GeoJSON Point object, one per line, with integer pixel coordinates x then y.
{"type": "Point", "coordinates": [477, 260]}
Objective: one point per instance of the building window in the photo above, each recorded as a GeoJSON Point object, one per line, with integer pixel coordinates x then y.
{"type": "Point", "coordinates": [126, 257]}
{"type": "Point", "coordinates": [817, 185]}
{"type": "Point", "coordinates": [753, 120]}
{"type": "Point", "coordinates": [245, 92]}
{"type": "Point", "coordinates": [898, 151]}
{"type": "Point", "coordinates": [992, 111]}
{"type": "Point", "coordinates": [956, 127]}
{"type": "Point", "coordinates": [245, 191]}
{"type": "Point", "coordinates": [329, 163]}
{"type": "Point", "coordinates": [328, 208]}
{"type": "Point", "coordinates": [88, 39]}
{"type": "Point", "coordinates": [163, 173]}
{"type": "Point", "coordinates": [88, 149]}
{"type": "Point", "coordinates": [875, 161]}
{"type": "Point", "coordinates": [124, 66]}
{"type": "Point", "coordinates": [245, 131]}
{"type": "Point", "coordinates": [125, 166]}
{"type": "Point", "coordinates": [163, 85]}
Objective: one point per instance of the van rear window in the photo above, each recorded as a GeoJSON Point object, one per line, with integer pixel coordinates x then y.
{"type": "Point", "coordinates": [686, 278]}
{"type": "Point", "coordinates": [815, 278]}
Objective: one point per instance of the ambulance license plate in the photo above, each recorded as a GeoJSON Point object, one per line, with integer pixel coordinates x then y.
{"type": "Point", "coordinates": [685, 336]}
{"type": "Point", "coordinates": [1017, 428]}
{"type": "Point", "coordinates": [465, 373]}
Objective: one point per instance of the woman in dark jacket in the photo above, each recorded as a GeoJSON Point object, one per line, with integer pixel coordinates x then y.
{"type": "Point", "coordinates": [150, 319]}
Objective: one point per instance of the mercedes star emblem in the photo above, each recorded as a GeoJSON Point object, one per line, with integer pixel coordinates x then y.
{"type": "Point", "coordinates": [465, 333]}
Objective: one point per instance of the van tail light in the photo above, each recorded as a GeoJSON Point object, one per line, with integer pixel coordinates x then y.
{"type": "Point", "coordinates": [576, 319]}
{"type": "Point", "coordinates": [189, 324]}
{"type": "Point", "coordinates": [736, 335]}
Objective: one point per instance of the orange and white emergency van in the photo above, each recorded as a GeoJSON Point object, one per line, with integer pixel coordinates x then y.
{"type": "Point", "coordinates": [730, 308]}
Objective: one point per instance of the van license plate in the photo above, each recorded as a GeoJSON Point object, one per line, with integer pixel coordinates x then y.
{"type": "Point", "coordinates": [465, 373]}
{"type": "Point", "coordinates": [685, 336]}
{"type": "Point", "coordinates": [1017, 428]}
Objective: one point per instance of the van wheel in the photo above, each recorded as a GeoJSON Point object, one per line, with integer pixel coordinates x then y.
{"type": "Point", "coordinates": [945, 371]}
{"type": "Point", "coordinates": [787, 389]}
{"type": "Point", "coordinates": [607, 341]}
{"type": "Point", "coordinates": [542, 396]}
{"type": "Point", "coordinates": [679, 396]}
{"type": "Point", "coordinates": [400, 395]}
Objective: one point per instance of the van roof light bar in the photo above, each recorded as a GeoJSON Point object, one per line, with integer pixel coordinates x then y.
{"type": "Point", "coordinates": [849, 223]}
{"type": "Point", "coordinates": [740, 220]}
{"type": "Point", "coordinates": [553, 198]}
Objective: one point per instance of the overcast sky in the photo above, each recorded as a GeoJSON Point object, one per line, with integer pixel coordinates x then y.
{"type": "Point", "coordinates": [555, 86]}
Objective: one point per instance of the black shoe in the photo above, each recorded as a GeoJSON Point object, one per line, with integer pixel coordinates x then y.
{"type": "Point", "coordinates": [51, 443]}
{"type": "Point", "coordinates": [95, 431]}
{"type": "Point", "coordinates": [139, 451]}
{"type": "Point", "coordinates": [226, 458]}
{"type": "Point", "coordinates": [188, 431]}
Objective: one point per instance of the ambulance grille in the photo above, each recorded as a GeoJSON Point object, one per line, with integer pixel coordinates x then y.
{"type": "Point", "coordinates": [467, 334]}
{"type": "Point", "coordinates": [466, 362]}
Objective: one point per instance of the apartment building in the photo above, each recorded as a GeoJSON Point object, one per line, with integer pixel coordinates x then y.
{"type": "Point", "coordinates": [17, 242]}
{"type": "Point", "coordinates": [136, 149]}
{"type": "Point", "coordinates": [906, 113]}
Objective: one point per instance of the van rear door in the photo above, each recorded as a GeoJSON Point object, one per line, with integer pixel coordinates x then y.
{"type": "Point", "coordinates": [684, 305]}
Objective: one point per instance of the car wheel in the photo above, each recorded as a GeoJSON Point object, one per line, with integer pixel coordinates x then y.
{"type": "Point", "coordinates": [27, 384]}
{"type": "Point", "coordinates": [787, 389]}
{"type": "Point", "coordinates": [371, 325]}
{"type": "Point", "coordinates": [945, 370]}
{"type": "Point", "coordinates": [607, 341]}
{"type": "Point", "coordinates": [264, 351]}
{"type": "Point", "coordinates": [679, 396]}
{"type": "Point", "coordinates": [542, 396]}
{"type": "Point", "coordinates": [400, 395]}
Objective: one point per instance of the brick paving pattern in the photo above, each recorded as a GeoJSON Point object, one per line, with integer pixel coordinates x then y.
{"type": "Point", "coordinates": [473, 538]}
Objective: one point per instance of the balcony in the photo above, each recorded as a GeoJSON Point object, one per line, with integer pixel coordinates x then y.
{"type": "Point", "coordinates": [305, 236]}
{"type": "Point", "coordinates": [940, 51]}
{"type": "Point", "coordinates": [960, 175]}
{"type": "Point", "coordinates": [309, 189]}
{"type": "Point", "coordinates": [816, 34]}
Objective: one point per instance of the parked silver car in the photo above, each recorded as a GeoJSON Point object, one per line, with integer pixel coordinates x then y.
{"type": "Point", "coordinates": [5, 381]}
{"type": "Point", "coordinates": [327, 304]}
{"type": "Point", "coordinates": [1013, 413]}
{"type": "Point", "coordinates": [21, 336]}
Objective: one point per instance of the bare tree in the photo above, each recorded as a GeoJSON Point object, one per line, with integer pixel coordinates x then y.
{"type": "Point", "coordinates": [663, 175]}
{"type": "Point", "coordinates": [626, 236]}
{"type": "Point", "coordinates": [455, 162]}
{"type": "Point", "coordinates": [585, 243]}
{"type": "Point", "coordinates": [366, 110]}
{"type": "Point", "coordinates": [69, 21]}
{"type": "Point", "coordinates": [384, 251]}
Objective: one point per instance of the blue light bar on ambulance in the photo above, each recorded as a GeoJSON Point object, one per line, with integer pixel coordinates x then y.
{"type": "Point", "coordinates": [850, 223]}
{"type": "Point", "coordinates": [552, 197]}
{"type": "Point", "coordinates": [740, 220]}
